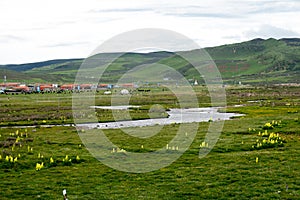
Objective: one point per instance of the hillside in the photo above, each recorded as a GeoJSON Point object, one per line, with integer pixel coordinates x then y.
{"type": "Point", "coordinates": [257, 61]}
{"type": "Point", "coordinates": [268, 60]}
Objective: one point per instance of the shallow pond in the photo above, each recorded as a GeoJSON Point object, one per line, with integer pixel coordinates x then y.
{"type": "Point", "coordinates": [175, 116]}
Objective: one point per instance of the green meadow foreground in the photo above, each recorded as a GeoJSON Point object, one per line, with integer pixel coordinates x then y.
{"type": "Point", "coordinates": [257, 156]}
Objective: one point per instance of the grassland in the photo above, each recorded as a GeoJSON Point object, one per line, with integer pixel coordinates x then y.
{"type": "Point", "coordinates": [232, 170]}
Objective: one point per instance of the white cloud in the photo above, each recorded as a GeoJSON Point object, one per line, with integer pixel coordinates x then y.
{"type": "Point", "coordinates": [34, 30]}
{"type": "Point", "coordinates": [10, 38]}
{"type": "Point", "coordinates": [267, 31]}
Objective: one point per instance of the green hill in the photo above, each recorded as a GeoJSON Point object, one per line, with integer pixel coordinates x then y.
{"type": "Point", "coordinates": [257, 61]}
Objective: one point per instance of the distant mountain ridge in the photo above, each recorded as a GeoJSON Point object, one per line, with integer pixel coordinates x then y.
{"type": "Point", "coordinates": [29, 66]}
{"type": "Point", "coordinates": [255, 61]}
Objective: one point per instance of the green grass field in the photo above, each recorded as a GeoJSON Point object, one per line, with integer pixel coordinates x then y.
{"type": "Point", "coordinates": [240, 166]}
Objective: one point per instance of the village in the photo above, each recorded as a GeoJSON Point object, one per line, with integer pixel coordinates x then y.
{"type": "Point", "coordinates": [125, 88]}
{"type": "Point", "coordinates": [20, 88]}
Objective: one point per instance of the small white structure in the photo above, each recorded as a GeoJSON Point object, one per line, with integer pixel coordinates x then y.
{"type": "Point", "coordinates": [107, 92]}
{"type": "Point", "coordinates": [124, 92]}
{"type": "Point", "coordinates": [196, 82]}
{"type": "Point", "coordinates": [65, 194]}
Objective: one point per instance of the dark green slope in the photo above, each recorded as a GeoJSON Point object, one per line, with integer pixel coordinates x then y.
{"type": "Point", "coordinates": [255, 61]}
{"type": "Point", "coordinates": [30, 66]}
{"type": "Point", "coordinates": [40, 71]}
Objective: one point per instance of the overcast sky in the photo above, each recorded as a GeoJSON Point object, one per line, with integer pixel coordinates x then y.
{"type": "Point", "coordinates": [35, 30]}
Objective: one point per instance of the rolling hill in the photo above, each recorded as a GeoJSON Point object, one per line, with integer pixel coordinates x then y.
{"type": "Point", "coordinates": [257, 61]}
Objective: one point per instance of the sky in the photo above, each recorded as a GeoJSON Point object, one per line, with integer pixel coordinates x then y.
{"type": "Point", "coordinates": [35, 30]}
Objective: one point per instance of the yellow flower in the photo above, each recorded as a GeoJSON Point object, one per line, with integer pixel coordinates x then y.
{"type": "Point", "coordinates": [121, 150]}
{"type": "Point", "coordinates": [16, 159]}
{"type": "Point", "coordinates": [66, 159]}
{"type": "Point", "coordinates": [77, 158]}
{"type": "Point", "coordinates": [264, 141]}
{"type": "Point", "coordinates": [39, 166]}
{"type": "Point", "coordinates": [18, 139]}
{"type": "Point", "coordinates": [272, 141]}
{"type": "Point", "coordinates": [51, 160]}
{"type": "Point", "coordinates": [30, 149]}
{"type": "Point", "coordinates": [269, 125]}
{"type": "Point", "coordinates": [256, 160]}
